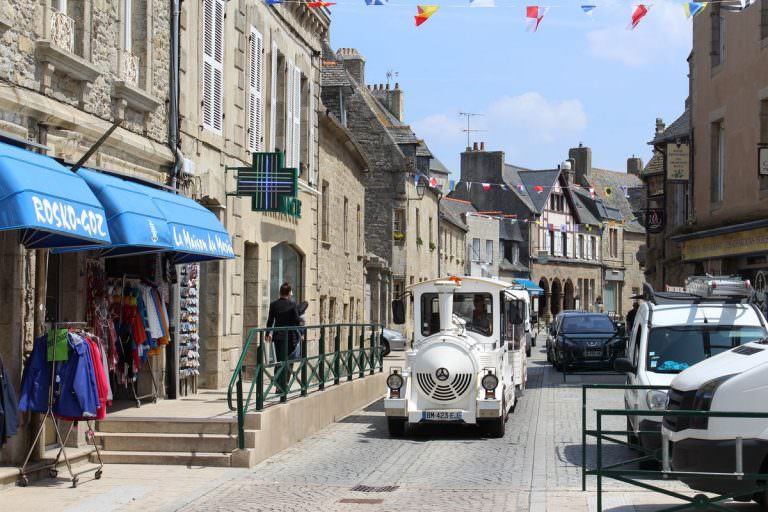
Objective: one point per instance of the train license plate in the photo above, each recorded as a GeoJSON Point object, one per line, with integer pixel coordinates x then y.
{"type": "Point", "coordinates": [593, 353]}
{"type": "Point", "coordinates": [442, 415]}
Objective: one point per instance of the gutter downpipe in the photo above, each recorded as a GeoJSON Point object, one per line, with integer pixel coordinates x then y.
{"type": "Point", "coordinates": [173, 111]}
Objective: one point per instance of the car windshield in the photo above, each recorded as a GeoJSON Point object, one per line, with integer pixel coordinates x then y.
{"type": "Point", "coordinates": [587, 324]}
{"type": "Point", "coordinates": [474, 308]}
{"type": "Point", "coordinates": [673, 349]}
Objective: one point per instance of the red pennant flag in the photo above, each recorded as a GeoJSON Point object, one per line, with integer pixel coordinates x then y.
{"type": "Point", "coordinates": [486, 186]}
{"type": "Point", "coordinates": [424, 13]}
{"type": "Point", "coordinates": [640, 12]}
{"type": "Point", "coordinates": [320, 4]}
{"type": "Point", "coordinates": [433, 182]}
{"type": "Point", "coordinates": [539, 189]}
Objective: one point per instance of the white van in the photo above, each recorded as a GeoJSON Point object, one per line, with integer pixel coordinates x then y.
{"type": "Point", "coordinates": [735, 381]}
{"type": "Point", "coordinates": [672, 332]}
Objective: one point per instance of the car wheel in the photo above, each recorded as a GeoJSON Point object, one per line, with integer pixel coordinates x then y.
{"type": "Point", "coordinates": [397, 427]}
{"type": "Point", "coordinates": [385, 350]}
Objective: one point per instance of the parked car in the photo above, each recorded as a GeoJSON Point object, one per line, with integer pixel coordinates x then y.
{"type": "Point", "coordinates": [736, 380]}
{"type": "Point", "coordinates": [393, 340]}
{"type": "Point", "coordinates": [585, 340]}
{"type": "Point", "coordinates": [674, 331]}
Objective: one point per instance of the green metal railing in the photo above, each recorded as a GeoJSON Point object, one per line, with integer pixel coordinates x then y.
{"type": "Point", "coordinates": [342, 351]}
{"type": "Point", "coordinates": [620, 472]}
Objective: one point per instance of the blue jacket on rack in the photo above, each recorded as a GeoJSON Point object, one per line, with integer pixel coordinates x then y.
{"type": "Point", "coordinates": [76, 393]}
{"type": "Point", "coordinates": [36, 379]}
{"type": "Point", "coordinates": [9, 413]}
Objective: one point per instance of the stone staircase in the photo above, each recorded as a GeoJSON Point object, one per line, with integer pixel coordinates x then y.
{"type": "Point", "coordinates": [170, 441]}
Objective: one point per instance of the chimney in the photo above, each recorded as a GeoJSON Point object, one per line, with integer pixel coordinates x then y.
{"type": "Point", "coordinates": [482, 146]}
{"type": "Point", "coordinates": [354, 63]}
{"type": "Point", "coordinates": [482, 166]}
{"type": "Point", "coordinates": [660, 126]}
{"type": "Point", "coordinates": [391, 99]}
{"type": "Point", "coordinates": [567, 169]}
{"type": "Point", "coordinates": [582, 158]}
{"type": "Point", "coordinates": [634, 165]}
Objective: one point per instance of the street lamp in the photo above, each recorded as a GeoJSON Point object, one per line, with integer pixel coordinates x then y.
{"type": "Point", "coordinates": [421, 188]}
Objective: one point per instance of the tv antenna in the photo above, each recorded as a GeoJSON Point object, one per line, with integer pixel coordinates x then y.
{"type": "Point", "coordinates": [469, 131]}
{"type": "Point", "coordinates": [391, 74]}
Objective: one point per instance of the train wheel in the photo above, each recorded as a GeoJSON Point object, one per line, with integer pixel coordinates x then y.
{"type": "Point", "coordinates": [397, 427]}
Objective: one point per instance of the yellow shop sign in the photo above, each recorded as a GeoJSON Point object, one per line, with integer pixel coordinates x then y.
{"type": "Point", "coordinates": [729, 244]}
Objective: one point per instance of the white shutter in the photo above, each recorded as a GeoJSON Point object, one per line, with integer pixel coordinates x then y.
{"type": "Point", "coordinates": [289, 76]}
{"type": "Point", "coordinates": [589, 248]}
{"type": "Point", "coordinates": [546, 239]}
{"type": "Point", "coordinates": [571, 248]}
{"type": "Point", "coordinates": [273, 101]}
{"type": "Point", "coordinates": [255, 87]}
{"type": "Point", "coordinates": [311, 140]}
{"type": "Point", "coordinates": [558, 243]}
{"type": "Point", "coordinates": [296, 141]}
{"type": "Point", "coordinates": [213, 64]}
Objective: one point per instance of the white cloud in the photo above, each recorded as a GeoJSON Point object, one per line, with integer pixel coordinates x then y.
{"type": "Point", "coordinates": [534, 117]}
{"type": "Point", "coordinates": [439, 129]}
{"type": "Point", "coordinates": [664, 33]}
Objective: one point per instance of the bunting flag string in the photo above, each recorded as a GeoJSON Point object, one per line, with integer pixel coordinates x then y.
{"type": "Point", "coordinates": [638, 14]}
{"type": "Point", "coordinates": [539, 189]}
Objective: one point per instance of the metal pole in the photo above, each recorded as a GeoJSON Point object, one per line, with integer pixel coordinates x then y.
{"type": "Point", "coordinates": [584, 438]}
{"type": "Point", "coordinates": [321, 362]}
{"type": "Point", "coordinates": [304, 383]}
{"type": "Point", "coordinates": [337, 355]}
{"type": "Point", "coordinates": [260, 373]}
{"type": "Point", "coordinates": [350, 354]}
{"type": "Point", "coordinates": [599, 461]}
{"type": "Point", "coordinates": [739, 458]}
{"type": "Point", "coordinates": [240, 412]}
{"type": "Point", "coordinates": [362, 360]}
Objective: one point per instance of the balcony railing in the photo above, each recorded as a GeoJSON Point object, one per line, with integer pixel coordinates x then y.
{"type": "Point", "coordinates": [62, 31]}
{"type": "Point", "coordinates": [271, 187]}
{"type": "Point", "coordinates": [130, 68]}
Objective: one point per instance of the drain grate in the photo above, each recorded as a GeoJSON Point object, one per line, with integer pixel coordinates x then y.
{"type": "Point", "coordinates": [366, 488]}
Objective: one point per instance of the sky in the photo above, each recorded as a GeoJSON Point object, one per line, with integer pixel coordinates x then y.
{"type": "Point", "coordinates": [578, 79]}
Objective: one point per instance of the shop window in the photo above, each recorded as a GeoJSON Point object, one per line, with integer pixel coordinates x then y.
{"type": "Point", "coordinates": [286, 266]}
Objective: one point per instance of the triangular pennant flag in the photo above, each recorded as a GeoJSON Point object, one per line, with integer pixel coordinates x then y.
{"type": "Point", "coordinates": [274, 2]}
{"type": "Point", "coordinates": [320, 4]}
{"type": "Point", "coordinates": [591, 192]}
{"type": "Point", "coordinates": [588, 8]}
{"type": "Point", "coordinates": [425, 12]}
{"type": "Point", "coordinates": [521, 188]}
{"type": "Point", "coordinates": [482, 3]}
{"type": "Point", "coordinates": [626, 191]}
{"type": "Point", "coordinates": [539, 189]}
{"type": "Point", "coordinates": [503, 187]}
{"type": "Point", "coordinates": [486, 186]}
{"type": "Point", "coordinates": [693, 8]}
{"type": "Point", "coordinates": [433, 182]}
{"type": "Point", "coordinates": [638, 14]}
{"type": "Point", "coordinates": [376, 2]}
{"type": "Point", "coordinates": [534, 14]}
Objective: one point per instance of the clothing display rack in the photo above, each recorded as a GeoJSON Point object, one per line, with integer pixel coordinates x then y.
{"type": "Point", "coordinates": [62, 441]}
{"type": "Point", "coordinates": [129, 278]}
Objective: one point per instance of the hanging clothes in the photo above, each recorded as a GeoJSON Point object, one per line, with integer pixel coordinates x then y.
{"type": "Point", "coordinates": [102, 383]}
{"type": "Point", "coordinates": [76, 390]}
{"type": "Point", "coordinates": [36, 380]}
{"type": "Point", "coordinates": [9, 408]}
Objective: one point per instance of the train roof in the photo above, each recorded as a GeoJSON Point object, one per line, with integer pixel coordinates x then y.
{"type": "Point", "coordinates": [478, 281]}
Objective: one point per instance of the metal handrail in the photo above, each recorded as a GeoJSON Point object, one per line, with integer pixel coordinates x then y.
{"type": "Point", "coordinates": [314, 372]}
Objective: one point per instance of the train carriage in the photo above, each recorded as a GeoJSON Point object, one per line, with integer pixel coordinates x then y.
{"type": "Point", "coordinates": [467, 363]}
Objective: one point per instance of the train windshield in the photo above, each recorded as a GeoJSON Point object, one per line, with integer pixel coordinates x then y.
{"type": "Point", "coordinates": [476, 309]}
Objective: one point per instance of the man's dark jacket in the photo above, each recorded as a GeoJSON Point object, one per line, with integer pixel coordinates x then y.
{"type": "Point", "coordinates": [283, 313]}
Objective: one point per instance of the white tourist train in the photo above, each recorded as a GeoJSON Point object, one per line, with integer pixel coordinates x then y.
{"type": "Point", "coordinates": [467, 363]}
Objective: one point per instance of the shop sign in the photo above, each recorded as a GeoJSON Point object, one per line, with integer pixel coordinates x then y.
{"type": "Point", "coordinates": [70, 217]}
{"type": "Point", "coordinates": [654, 220]}
{"type": "Point", "coordinates": [753, 241]}
{"type": "Point", "coordinates": [762, 160]}
{"type": "Point", "coordinates": [678, 163]}
{"type": "Point", "coordinates": [201, 241]}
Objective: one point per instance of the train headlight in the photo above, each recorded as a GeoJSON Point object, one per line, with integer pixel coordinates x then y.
{"type": "Point", "coordinates": [490, 382]}
{"type": "Point", "coordinates": [656, 399]}
{"type": "Point", "coordinates": [395, 381]}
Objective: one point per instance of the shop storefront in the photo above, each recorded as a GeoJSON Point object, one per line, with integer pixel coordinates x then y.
{"type": "Point", "coordinates": [735, 250]}
{"type": "Point", "coordinates": [121, 264]}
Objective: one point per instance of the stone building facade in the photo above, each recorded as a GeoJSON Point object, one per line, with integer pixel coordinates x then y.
{"type": "Point", "coordinates": [400, 225]}
{"type": "Point", "coordinates": [340, 281]}
{"type": "Point", "coordinates": [250, 82]}
{"type": "Point", "coordinates": [453, 237]}
{"type": "Point", "coordinates": [66, 76]}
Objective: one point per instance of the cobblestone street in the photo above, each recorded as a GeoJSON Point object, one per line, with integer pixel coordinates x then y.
{"type": "Point", "coordinates": [534, 467]}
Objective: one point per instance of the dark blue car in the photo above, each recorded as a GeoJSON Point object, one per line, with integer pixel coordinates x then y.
{"type": "Point", "coordinates": [582, 340]}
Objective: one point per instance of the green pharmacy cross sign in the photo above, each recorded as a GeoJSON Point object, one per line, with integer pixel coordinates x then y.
{"type": "Point", "coordinates": [271, 186]}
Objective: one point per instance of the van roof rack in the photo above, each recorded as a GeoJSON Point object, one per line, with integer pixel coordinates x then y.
{"type": "Point", "coordinates": [668, 298]}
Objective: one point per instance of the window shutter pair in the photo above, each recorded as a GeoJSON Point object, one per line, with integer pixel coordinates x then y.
{"type": "Point", "coordinates": [273, 101]}
{"type": "Point", "coordinates": [213, 65]}
{"type": "Point", "coordinates": [255, 87]}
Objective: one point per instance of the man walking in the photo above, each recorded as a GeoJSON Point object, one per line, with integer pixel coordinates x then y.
{"type": "Point", "coordinates": [283, 313]}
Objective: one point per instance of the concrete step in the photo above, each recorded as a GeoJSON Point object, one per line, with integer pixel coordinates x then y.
{"type": "Point", "coordinates": [9, 475]}
{"type": "Point", "coordinates": [222, 460]}
{"type": "Point", "coordinates": [168, 426]}
{"type": "Point", "coordinates": [143, 442]}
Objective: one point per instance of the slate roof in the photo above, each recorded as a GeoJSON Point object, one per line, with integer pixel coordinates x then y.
{"type": "Point", "coordinates": [423, 150]}
{"type": "Point", "coordinates": [679, 129]}
{"type": "Point", "coordinates": [332, 72]}
{"type": "Point", "coordinates": [545, 179]}
{"type": "Point", "coordinates": [510, 230]}
{"type": "Point", "coordinates": [655, 165]}
{"type": "Point", "coordinates": [511, 176]}
{"type": "Point", "coordinates": [437, 167]}
{"type": "Point", "coordinates": [454, 211]}
{"type": "Point", "coordinates": [618, 184]}
{"type": "Point", "coordinates": [588, 211]}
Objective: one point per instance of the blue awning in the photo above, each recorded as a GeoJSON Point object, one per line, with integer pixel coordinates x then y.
{"type": "Point", "coordinates": [50, 205]}
{"type": "Point", "coordinates": [144, 219]}
{"type": "Point", "coordinates": [532, 287]}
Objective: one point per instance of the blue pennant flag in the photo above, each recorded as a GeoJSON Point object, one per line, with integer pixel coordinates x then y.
{"type": "Point", "coordinates": [376, 2]}
{"type": "Point", "coordinates": [588, 9]}
{"type": "Point", "coordinates": [273, 2]}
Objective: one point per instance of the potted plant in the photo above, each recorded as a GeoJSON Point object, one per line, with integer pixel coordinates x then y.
{"type": "Point", "coordinates": [398, 236]}
{"type": "Point", "coordinates": [419, 241]}
{"type": "Point", "coordinates": [432, 247]}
